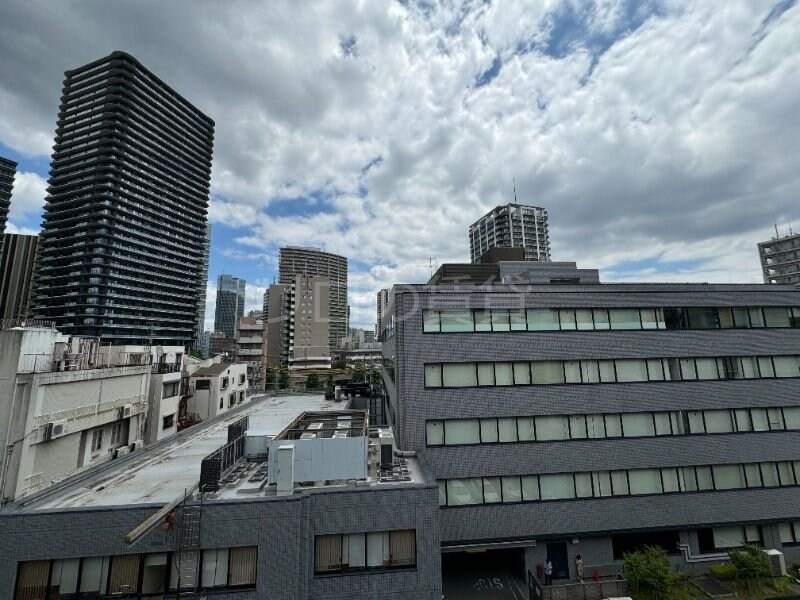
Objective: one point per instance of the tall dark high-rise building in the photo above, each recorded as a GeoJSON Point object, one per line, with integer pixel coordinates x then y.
{"type": "Point", "coordinates": [17, 258]}
{"type": "Point", "coordinates": [201, 288]}
{"type": "Point", "coordinates": [294, 261]}
{"type": "Point", "coordinates": [230, 304]}
{"type": "Point", "coordinates": [122, 244]}
{"type": "Point", "coordinates": [8, 169]}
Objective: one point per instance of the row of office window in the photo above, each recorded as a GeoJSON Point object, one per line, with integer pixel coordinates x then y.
{"type": "Point", "coordinates": [365, 551]}
{"type": "Point", "coordinates": [630, 482]}
{"type": "Point", "coordinates": [620, 370]}
{"type": "Point", "coordinates": [134, 575]}
{"type": "Point", "coordinates": [602, 319]}
{"type": "Point", "coordinates": [498, 430]}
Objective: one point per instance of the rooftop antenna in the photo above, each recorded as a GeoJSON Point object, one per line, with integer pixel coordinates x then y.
{"type": "Point", "coordinates": [514, 180]}
{"type": "Point", "coordinates": [777, 235]}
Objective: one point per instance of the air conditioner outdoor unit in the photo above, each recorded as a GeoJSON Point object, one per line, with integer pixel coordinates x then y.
{"type": "Point", "coordinates": [777, 563]}
{"type": "Point", "coordinates": [137, 445]}
{"type": "Point", "coordinates": [56, 429]}
{"type": "Point", "coordinates": [121, 451]}
{"type": "Point", "coordinates": [125, 411]}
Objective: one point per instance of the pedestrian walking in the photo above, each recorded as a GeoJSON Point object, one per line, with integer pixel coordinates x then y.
{"type": "Point", "coordinates": [548, 571]}
{"type": "Point", "coordinates": [579, 568]}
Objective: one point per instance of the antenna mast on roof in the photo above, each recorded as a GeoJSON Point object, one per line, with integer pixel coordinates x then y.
{"type": "Point", "coordinates": [777, 235]}
{"type": "Point", "coordinates": [514, 180]}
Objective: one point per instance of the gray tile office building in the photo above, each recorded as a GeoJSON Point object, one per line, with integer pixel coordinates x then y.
{"type": "Point", "coordinates": [122, 243]}
{"type": "Point", "coordinates": [588, 418]}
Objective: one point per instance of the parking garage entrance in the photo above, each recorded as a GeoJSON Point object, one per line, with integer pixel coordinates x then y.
{"type": "Point", "coordinates": [494, 574]}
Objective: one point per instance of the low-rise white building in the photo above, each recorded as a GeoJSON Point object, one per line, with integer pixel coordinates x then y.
{"type": "Point", "coordinates": [216, 388]}
{"type": "Point", "coordinates": [64, 405]}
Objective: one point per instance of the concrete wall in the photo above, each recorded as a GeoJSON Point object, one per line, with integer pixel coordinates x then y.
{"type": "Point", "coordinates": [282, 528]}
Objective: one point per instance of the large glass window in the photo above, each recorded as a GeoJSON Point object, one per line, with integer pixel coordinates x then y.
{"type": "Point", "coordinates": [500, 320]}
{"type": "Point", "coordinates": [557, 487]}
{"type": "Point", "coordinates": [492, 490]}
{"type": "Point", "coordinates": [706, 368]}
{"type": "Point", "coordinates": [512, 489]}
{"type": "Point", "coordinates": [464, 491]}
{"type": "Point", "coordinates": [459, 375]}
{"type": "Point", "coordinates": [483, 320]}
{"type": "Point", "coordinates": [786, 366]}
{"type": "Point", "coordinates": [486, 374]}
{"type": "Point", "coordinates": [624, 318]}
{"type": "Point", "coordinates": [433, 375]}
{"type": "Point", "coordinates": [728, 477]}
{"type": "Point", "coordinates": [552, 428]}
{"type": "Point", "coordinates": [489, 431]}
{"type": "Point", "coordinates": [645, 481]}
{"type": "Point", "coordinates": [718, 421]}
{"type": "Point", "coordinates": [518, 320]}
{"type": "Point", "coordinates": [542, 319]}
{"type": "Point", "coordinates": [631, 370]}
{"type": "Point", "coordinates": [456, 321]}
{"type": "Point", "coordinates": [547, 371]}
{"type": "Point", "coordinates": [583, 318]}
{"type": "Point", "coordinates": [777, 316]}
{"type": "Point", "coordinates": [461, 431]}
{"type": "Point", "coordinates": [703, 318]}
{"type": "Point", "coordinates": [434, 433]}
{"type": "Point", "coordinates": [601, 318]}
{"type": "Point", "coordinates": [637, 424]}
{"type": "Point", "coordinates": [522, 373]}
{"type": "Point", "coordinates": [503, 374]}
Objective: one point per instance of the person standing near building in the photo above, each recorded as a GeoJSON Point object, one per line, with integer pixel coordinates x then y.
{"type": "Point", "coordinates": [579, 568]}
{"type": "Point", "coordinates": [548, 571]}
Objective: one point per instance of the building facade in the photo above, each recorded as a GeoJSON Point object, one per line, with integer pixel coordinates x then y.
{"type": "Point", "coordinates": [298, 329]}
{"type": "Point", "coordinates": [17, 261]}
{"type": "Point", "coordinates": [294, 261]}
{"type": "Point", "coordinates": [596, 418]}
{"type": "Point", "coordinates": [217, 388]}
{"type": "Point", "coordinates": [8, 170]}
{"type": "Point", "coordinates": [201, 289]}
{"type": "Point", "coordinates": [122, 243]}
{"type": "Point", "coordinates": [381, 304]}
{"type": "Point", "coordinates": [230, 304]}
{"type": "Point", "coordinates": [66, 406]}
{"type": "Point", "coordinates": [255, 538]}
{"type": "Point", "coordinates": [511, 226]}
{"type": "Point", "coordinates": [780, 259]}
{"type": "Point", "coordinates": [250, 348]}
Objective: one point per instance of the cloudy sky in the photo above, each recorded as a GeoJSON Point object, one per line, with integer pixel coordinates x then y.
{"type": "Point", "coordinates": [663, 136]}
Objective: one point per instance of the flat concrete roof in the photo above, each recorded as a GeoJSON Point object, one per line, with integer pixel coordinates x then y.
{"type": "Point", "coordinates": [160, 473]}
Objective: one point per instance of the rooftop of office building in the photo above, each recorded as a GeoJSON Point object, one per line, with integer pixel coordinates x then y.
{"type": "Point", "coordinates": [161, 473]}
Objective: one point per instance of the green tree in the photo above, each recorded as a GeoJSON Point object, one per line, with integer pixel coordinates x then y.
{"type": "Point", "coordinates": [649, 573]}
{"type": "Point", "coordinates": [196, 354]}
{"type": "Point", "coordinates": [359, 373]}
{"type": "Point", "coordinates": [751, 564]}
{"type": "Point", "coordinates": [283, 379]}
{"type": "Point", "coordinates": [312, 381]}
{"type": "Point", "coordinates": [270, 378]}
{"type": "Point", "coordinates": [329, 382]}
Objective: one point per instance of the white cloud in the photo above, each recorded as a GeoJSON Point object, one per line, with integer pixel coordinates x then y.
{"type": "Point", "coordinates": [27, 197]}
{"type": "Point", "coordinates": [11, 228]}
{"type": "Point", "coordinates": [678, 143]}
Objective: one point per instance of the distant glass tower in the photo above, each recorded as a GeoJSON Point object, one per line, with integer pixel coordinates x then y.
{"type": "Point", "coordinates": [511, 226]}
{"type": "Point", "coordinates": [8, 169]}
{"type": "Point", "coordinates": [123, 239]}
{"type": "Point", "coordinates": [230, 304]}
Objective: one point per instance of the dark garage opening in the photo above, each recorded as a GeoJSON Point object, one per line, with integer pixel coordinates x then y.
{"type": "Point", "coordinates": [484, 575]}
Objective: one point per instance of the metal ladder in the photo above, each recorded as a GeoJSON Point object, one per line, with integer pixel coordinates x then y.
{"type": "Point", "coordinates": [188, 549]}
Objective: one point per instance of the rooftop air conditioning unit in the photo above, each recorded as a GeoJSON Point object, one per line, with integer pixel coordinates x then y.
{"type": "Point", "coordinates": [137, 445]}
{"type": "Point", "coordinates": [125, 411]}
{"type": "Point", "coordinates": [121, 451]}
{"type": "Point", "coordinates": [386, 441]}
